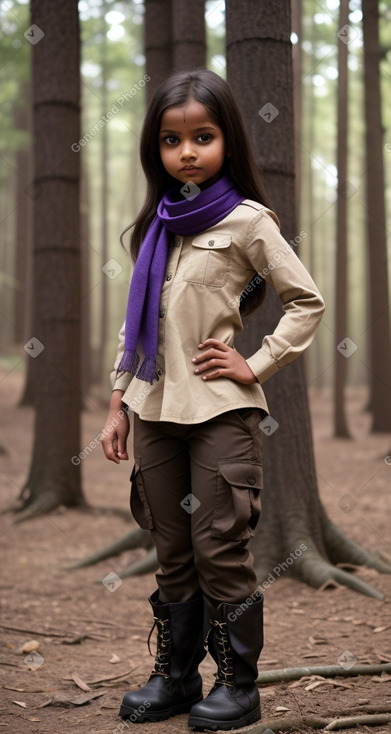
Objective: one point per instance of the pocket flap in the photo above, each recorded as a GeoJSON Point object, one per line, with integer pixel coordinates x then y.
{"type": "Point", "coordinates": [242, 474]}
{"type": "Point", "coordinates": [212, 242]}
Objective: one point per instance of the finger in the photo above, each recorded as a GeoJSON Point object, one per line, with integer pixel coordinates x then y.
{"type": "Point", "coordinates": [209, 365]}
{"type": "Point", "coordinates": [121, 449]}
{"type": "Point", "coordinates": [213, 374]}
{"type": "Point", "coordinates": [110, 451]}
{"type": "Point", "coordinates": [214, 343]}
{"type": "Point", "coordinates": [212, 353]}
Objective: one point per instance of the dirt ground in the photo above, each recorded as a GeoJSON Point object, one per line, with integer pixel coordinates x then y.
{"type": "Point", "coordinates": [98, 632]}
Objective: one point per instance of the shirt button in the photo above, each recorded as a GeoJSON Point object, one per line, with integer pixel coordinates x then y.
{"type": "Point", "coordinates": [161, 314]}
{"type": "Point", "coordinates": [211, 243]}
{"type": "Point", "coordinates": [168, 277]}
{"type": "Point", "coordinates": [177, 243]}
{"type": "Point", "coordinates": [251, 480]}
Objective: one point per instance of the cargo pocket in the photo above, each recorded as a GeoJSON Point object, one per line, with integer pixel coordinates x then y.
{"type": "Point", "coordinates": [138, 501]}
{"type": "Point", "coordinates": [238, 499]}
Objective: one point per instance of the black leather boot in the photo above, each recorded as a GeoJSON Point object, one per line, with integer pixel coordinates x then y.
{"type": "Point", "coordinates": [175, 684]}
{"type": "Point", "coordinates": [235, 641]}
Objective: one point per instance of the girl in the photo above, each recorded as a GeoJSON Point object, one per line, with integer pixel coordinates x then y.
{"type": "Point", "coordinates": [202, 238]}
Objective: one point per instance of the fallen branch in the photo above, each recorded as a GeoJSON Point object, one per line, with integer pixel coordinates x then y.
{"type": "Point", "coordinates": [328, 671]}
{"type": "Point", "coordinates": [368, 719]}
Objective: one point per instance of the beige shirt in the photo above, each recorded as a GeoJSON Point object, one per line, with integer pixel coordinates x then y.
{"type": "Point", "coordinates": [200, 297]}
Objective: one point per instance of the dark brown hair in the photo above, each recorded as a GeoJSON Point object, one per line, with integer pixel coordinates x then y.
{"type": "Point", "coordinates": [211, 90]}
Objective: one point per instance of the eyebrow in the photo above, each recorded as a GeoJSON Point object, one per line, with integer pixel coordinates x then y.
{"type": "Point", "coordinates": [196, 130]}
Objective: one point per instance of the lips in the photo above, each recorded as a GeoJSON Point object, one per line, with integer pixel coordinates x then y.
{"type": "Point", "coordinates": [190, 168]}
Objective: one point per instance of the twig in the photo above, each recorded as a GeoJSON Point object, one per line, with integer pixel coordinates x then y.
{"type": "Point", "coordinates": [368, 719]}
{"type": "Point", "coordinates": [328, 671]}
{"type": "Point", "coordinates": [33, 632]}
{"type": "Point", "coordinates": [108, 677]}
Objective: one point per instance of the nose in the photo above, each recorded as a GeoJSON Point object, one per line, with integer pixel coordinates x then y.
{"type": "Point", "coordinates": [187, 150]}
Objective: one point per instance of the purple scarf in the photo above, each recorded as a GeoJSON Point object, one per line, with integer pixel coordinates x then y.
{"type": "Point", "coordinates": [185, 217]}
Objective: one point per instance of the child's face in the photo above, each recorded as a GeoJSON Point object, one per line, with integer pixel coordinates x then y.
{"type": "Point", "coordinates": [192, 146]}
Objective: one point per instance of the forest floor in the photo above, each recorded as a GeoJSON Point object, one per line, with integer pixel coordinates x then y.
{"type": "Point", "coordinates": [97, 633]}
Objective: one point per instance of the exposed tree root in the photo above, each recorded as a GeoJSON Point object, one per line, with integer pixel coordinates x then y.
{"type": "Point", "coordinates": [42, 506]}
{"type": "Point", "coordinates": [137, 538]}
{"type": "Point", "coordinates": [342, 549]}
{"type": "Point", "coordinates": [315, 571]}
{"type": "Point", "coordinates": [327, 671]}
{"type": "Point", "coordinates": [148, 564]}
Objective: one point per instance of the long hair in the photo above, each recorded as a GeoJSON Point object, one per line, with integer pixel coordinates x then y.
{"type": "Point", "coordinates": [211, 90]}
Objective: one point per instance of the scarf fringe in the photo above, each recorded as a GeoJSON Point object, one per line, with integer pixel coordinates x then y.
{"type": "Point", "coordinates": [147, 370]}
{"type": "Point", "coordinates": [129, 362]}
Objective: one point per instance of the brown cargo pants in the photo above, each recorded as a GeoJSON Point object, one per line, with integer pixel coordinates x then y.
{"type": "Point", "coordinates": [197, 489]}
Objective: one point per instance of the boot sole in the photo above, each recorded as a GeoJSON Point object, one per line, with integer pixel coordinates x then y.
{"type": "Point", "coordinates": [200, 723]}
{"type": "Point", "coordinates": [182, 708]}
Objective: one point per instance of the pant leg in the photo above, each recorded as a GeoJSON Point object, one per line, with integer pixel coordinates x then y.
{"type": "Point", "coordinates": [226, 475]}
{"type": "Point", "coordinates": [161, 481]}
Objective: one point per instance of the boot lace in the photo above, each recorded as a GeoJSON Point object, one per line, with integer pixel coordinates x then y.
{"type": "Point", "coordinates": [220, 640]}
{"type": "Point", "coordinates": [162, 657]}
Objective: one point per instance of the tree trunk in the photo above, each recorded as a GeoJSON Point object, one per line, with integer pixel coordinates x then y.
{"type": "Point", "coordinates": [297, 67]}
{"type": "Point", "coordinates": [54, 478]}
{"type": "Point", "coordinates": [86, 357]}
{"type": "Point", "coordinates": [23, 222]}
{"type": "Point", "coordinates": [343, 345]}
{"type": "Point", "coordinates": [188, 34]}
{"type": "Point", "coordinates": [259, 67]}
{"type": "Point", "coordinates": [104, 190]}
{"type": "Point", "coordinates": [379, 326]}
{"type": "Point", "coordinates": [158, 42]}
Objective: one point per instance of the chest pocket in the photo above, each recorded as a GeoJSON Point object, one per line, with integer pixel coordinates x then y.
{"type": "Point", "coordinates": [208, 261]}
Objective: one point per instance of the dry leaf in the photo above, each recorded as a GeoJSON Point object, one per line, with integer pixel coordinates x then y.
{"type": "Point", "coordinates": [79, 682]}
{"type": "Point", "coordinates": [20, 703]}
{"type": "Point", "coordinates": [114, 659]}
{"type": "Point", "coordinates": [281, 708]}
{"type": "Point", "coordinates": [381, 629]}
{"type": "Point", "coordinates": [63, 699]}
{"type": "Point", "coordinates": [315, 685]}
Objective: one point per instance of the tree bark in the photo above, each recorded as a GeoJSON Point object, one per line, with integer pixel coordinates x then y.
{"type": "Point", "coordinates": [158, 43]}
{"type": "Point", "coordinates": [341, 281]}
{"type": "Point", "coordinates": [188, 34]}
{"type": "Point", "coordinates": [55, 346]}
{"type": "Point", "coordinates": [23, 222]}
{"type": "Point", "coordinates": [104, 195]}
{"type": "Point", "coordinates": [379, 326]}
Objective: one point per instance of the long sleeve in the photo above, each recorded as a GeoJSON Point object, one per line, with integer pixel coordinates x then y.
{"type": "Point", "coordinates": [275, 260]}
{"type": "Point", "coordinates": [123, 379]}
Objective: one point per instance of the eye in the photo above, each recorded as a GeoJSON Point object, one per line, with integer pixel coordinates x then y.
{"type": "Point", "coordinates": [205, 138]}
{"type": "Point", "coordinates": [170, 139]}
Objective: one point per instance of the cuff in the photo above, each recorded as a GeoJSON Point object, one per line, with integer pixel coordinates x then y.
{"type": "Point", "coordinates": [120, 381]}
{"type": "Point", "coordinates": [263, 365]}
